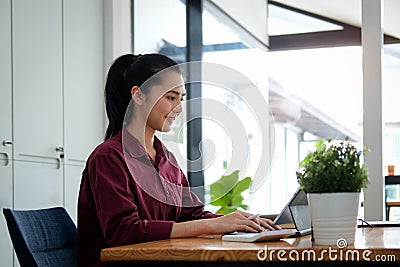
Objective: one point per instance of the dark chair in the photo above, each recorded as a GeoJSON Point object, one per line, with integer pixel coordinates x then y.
{"type": "Point", "coordinates": [45, 237]}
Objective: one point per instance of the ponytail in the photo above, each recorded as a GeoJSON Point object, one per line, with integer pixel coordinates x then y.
{"type": "Point", "coordinates": [117, 95]}
{"type": "Point", "coordinates": [126, 72]}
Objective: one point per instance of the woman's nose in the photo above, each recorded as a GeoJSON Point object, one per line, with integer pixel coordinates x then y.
{"type": "Point", "coordinates": [178, 108]}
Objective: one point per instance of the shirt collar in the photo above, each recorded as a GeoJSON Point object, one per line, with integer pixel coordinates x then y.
{"type": "Point", "coordinates": [135, 149]}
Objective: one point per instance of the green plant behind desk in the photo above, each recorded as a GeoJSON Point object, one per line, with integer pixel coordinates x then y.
{"type": "Point", "coordinates": [226, 193]}
{"type": "Point", "coordinates": [334, 166]}
{"type": "Point", "coordinates": [333, 176]}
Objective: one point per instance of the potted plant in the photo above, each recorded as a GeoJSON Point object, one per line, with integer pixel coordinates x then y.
{"type": "Point", "coordinates": [226, 193]}
{"type": "Point", "coordinates": [333, 176]}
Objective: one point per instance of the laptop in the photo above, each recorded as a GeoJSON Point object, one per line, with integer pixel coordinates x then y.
{"type": "Point", "coordinates": [296, 213]}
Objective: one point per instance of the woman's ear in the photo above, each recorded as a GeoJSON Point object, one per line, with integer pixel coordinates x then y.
{"type": "Point", "coordinates": [137, 95]}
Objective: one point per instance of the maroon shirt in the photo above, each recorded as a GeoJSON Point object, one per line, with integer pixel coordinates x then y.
{"type": "Point", "coordinates": [125, 198]}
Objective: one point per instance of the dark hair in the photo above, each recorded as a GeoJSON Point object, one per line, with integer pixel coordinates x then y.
{"type": "Point", "coordinates": [126, 72]}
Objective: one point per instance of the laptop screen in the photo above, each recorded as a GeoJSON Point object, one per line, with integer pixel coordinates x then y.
{"type": "Point", "coordinates": [300, 211]}
{"type": "Point", "coordinates": [296, 211]}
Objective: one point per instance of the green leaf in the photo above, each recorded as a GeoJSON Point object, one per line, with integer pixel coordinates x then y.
{"type": "Point", "coordinates": [237, 200]}
{"type": "Point", "coordinates": [220, 211]}
{"type": "Point", "coordinates": [226, 192]}
{"type": "Point", "coordinates": [241, 186]}
{"type": "Point", "coordinates": [217, 191]}
{"type": "Point", "coordinates": [223, 201]}
{"type": "Point", "coordinates": [224, 184]}
{"type": "Point", "coordinates": [244, 207]}
{"type": "Point", "coordinates": [319, 143]}
{"type": "Point", "coordinates": [229, 181]}
{"type": "Point", "coordinates": [226, 210]}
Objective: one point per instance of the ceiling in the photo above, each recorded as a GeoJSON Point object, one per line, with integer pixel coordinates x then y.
{"type": "Point", "coordinates": [287, 108]}
{"type": "Point", "coordinates": [349, 12]}
{"type": "Point", "coordinates": [291, 110]}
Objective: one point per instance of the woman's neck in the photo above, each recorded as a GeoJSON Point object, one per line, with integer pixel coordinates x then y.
{"type": "Point", "coordinates": [144, 135]}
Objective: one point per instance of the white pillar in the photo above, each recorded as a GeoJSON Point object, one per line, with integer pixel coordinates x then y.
{"type": "Point", "coordinates": [372, 43]}
{"type": "Point", "coordinates": [117, 33]}
{"type": "Point", "coordinates": [117, 30]}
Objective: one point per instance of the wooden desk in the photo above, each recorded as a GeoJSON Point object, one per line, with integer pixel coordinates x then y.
{"type": "Point", "coordinates": [376, 243]}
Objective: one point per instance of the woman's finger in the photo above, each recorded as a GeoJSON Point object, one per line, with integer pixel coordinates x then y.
{"type": "Point", "coordinates": [246, 228]}
{"type": "Point", "coordinates": [268, 224]}
{"type": "Point", "coordinates": [252, 224]}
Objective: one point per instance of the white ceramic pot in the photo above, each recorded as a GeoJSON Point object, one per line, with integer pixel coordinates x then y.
{"type": "Point", "coordinates": [333, 217]}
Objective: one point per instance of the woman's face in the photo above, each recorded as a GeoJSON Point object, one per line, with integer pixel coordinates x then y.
{"type": "Point", "coordinates": [164, 102]}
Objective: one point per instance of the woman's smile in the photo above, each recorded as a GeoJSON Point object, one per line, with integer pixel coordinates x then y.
{"type": "Point", "coordinates": [170, 119]}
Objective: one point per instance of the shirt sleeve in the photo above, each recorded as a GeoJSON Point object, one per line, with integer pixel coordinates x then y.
{"type": "Point", "coordinates": [193, 208]}
{"type": "Point", "coordinates": [115, 204]}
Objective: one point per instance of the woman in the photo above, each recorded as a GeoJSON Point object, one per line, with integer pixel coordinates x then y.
{"type": "Point", "coordinates": [132, 189]}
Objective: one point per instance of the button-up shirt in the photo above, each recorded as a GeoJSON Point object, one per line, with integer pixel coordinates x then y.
{"type": "Point", "coordinates": [125, 197]}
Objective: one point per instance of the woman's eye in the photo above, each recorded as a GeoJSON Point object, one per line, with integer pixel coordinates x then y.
{"type": "Point", "coordinates": [170, 97]}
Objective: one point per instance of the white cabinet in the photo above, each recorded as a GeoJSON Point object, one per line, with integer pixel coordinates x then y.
{"type": "Point", "coordinates": [83, 79]}
{"type": "Point", "coordinates": [37, 79]}
{"type": "Point", "coordinates": [37, 103]}
{"type": "Point", "coordinates": [73, 176]}
{"type": "Point", "coordinates": [37, 185]}
{"type": "Point", "coordinates": [51, 99]}
{"type": "Point", "coordinates": [83, 90]}
{"type": "Point", "coordinates": [57, 93]}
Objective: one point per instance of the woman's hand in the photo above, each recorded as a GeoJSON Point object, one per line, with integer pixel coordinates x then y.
{"type": "Point", "coordinates": [239, 221]}
{"type": "Point", "coordinates": [235, 221]}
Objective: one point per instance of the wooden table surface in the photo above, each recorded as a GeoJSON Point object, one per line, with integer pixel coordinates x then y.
{"type": "Point", "coordinates": [382, 242]}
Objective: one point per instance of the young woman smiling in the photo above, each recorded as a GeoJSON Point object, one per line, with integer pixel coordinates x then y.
{"type": "Point", "coordinates": [132, 189]}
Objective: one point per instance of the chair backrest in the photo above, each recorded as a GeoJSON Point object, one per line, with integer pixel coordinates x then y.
{"type": "Point", "coordinates": [45, 237]}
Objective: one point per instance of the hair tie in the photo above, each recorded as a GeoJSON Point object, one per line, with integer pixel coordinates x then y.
{"type": "Point", "coordinates": [129, 66]}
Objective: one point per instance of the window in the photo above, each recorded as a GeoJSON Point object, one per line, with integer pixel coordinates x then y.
{"type": "Point", "coordinates": [312, 93]}
{"type": "Point", "coordinates": [285, 21]}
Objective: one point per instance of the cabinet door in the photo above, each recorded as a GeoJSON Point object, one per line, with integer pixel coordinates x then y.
{"type": "Point", "coordinates": [83, 78]}
{"type": "Point", "coordinates": [37, 79]}
{"type": "Point", "coordinates": [6, 251]}
{"type": "Point", "coordinates": [37, 185]}
{"type": "Point", "coordinates": [73, 175]}
{"type": "Point", "coordinates": [83, 91]}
